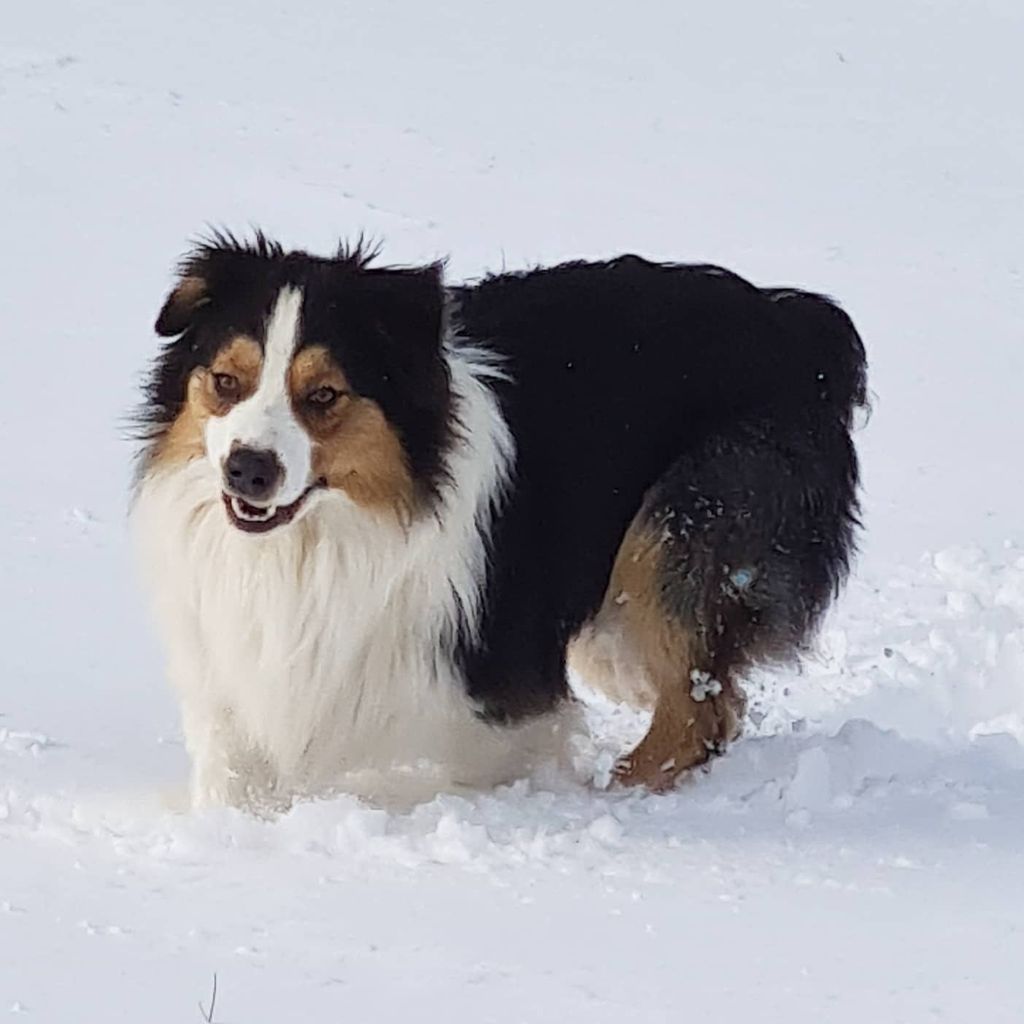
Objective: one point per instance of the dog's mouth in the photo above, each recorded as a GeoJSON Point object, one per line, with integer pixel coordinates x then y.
{"type": "Point", "coordinates": [264, 518]}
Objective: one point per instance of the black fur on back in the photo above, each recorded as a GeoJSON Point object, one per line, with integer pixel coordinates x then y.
{"type": "Point", "coordinates": [621, 374]}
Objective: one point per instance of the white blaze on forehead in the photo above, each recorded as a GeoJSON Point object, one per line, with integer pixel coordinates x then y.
{"type": "Point", "coordinates": [266, 419]}
{"type": "Point", "coordinates": [282, 339]}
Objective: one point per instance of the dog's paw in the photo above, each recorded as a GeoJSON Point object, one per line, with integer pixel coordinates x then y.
{"type": "Point", "coordinates": [212, 786]}
{"type": "Point", "coordinates": [637, 770]}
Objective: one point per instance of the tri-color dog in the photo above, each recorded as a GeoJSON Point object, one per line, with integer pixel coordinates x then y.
{"type": "Point", "coordinates": [381, 514]}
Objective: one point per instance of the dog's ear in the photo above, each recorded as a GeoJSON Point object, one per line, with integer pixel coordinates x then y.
{"type": "Point", "coordinates": [179, 310]}
{"type": "Point", "coordinates": [407, 305]}
{"type": "Point", "coordinates": [216, 266]}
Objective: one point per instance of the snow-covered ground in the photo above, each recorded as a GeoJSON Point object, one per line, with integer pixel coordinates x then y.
{"type": "Point", "coordinates": [859, 856]}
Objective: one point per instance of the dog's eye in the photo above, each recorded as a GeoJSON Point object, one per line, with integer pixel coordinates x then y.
{"type": "Point", "coordinates": [323, 397]}
{"type": "Point", "coordinates": [226, 385]}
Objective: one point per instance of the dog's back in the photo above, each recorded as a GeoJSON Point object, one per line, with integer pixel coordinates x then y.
{"type": "Point", "coordinates": [624, 378]}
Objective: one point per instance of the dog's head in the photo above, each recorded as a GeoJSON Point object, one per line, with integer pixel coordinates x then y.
{"type": "Point", "coordinates": [295, 376]}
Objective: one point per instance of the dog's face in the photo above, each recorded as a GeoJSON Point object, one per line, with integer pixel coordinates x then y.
{"type": "Point", "coordinates": [298, 378]}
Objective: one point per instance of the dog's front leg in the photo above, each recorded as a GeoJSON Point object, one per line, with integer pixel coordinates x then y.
{"type": "Point", "coordinates": [210, 739]}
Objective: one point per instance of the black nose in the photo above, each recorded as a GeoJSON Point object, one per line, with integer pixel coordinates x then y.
{"type": "Point", "coordinates": [252, 473]}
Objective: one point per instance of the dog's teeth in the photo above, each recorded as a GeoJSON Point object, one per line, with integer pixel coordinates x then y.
{"type": "Point", "coordinates": [259, 515]}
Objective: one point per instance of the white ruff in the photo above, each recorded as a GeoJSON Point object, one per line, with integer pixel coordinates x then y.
{"type": "Point", "coordinates": [319, 649]}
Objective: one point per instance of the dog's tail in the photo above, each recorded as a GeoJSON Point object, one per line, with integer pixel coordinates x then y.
{"type": "Point", "coordinates": [831, 343]}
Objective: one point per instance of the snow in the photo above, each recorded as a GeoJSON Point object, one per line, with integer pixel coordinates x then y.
{"type": "Point", "coordinates": [857, 855]}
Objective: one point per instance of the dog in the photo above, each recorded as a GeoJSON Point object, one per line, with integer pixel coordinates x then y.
{"type": "Point", "coordinates": [382, 516]}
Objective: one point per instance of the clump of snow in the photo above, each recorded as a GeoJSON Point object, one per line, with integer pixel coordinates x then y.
{"type": "Point", "coordinates": [702, 685]}
{"type": "Point", "coordinates": [15, 742]}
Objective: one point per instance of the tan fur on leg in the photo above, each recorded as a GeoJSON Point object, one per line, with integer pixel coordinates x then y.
{"type": "Point", "coordinates": [636, 652]}
{"type": "Point", "coordinates": [683, 733]}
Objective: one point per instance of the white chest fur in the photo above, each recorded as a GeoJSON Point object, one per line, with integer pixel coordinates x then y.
{"type": "Point", "coordinates": [320, 649]}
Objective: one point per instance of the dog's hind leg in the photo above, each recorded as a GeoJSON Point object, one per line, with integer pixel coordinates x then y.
{"type": "Point", "coordinates": [635, 651]}
{"type": "Point", "coordinates": [731, 560]}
